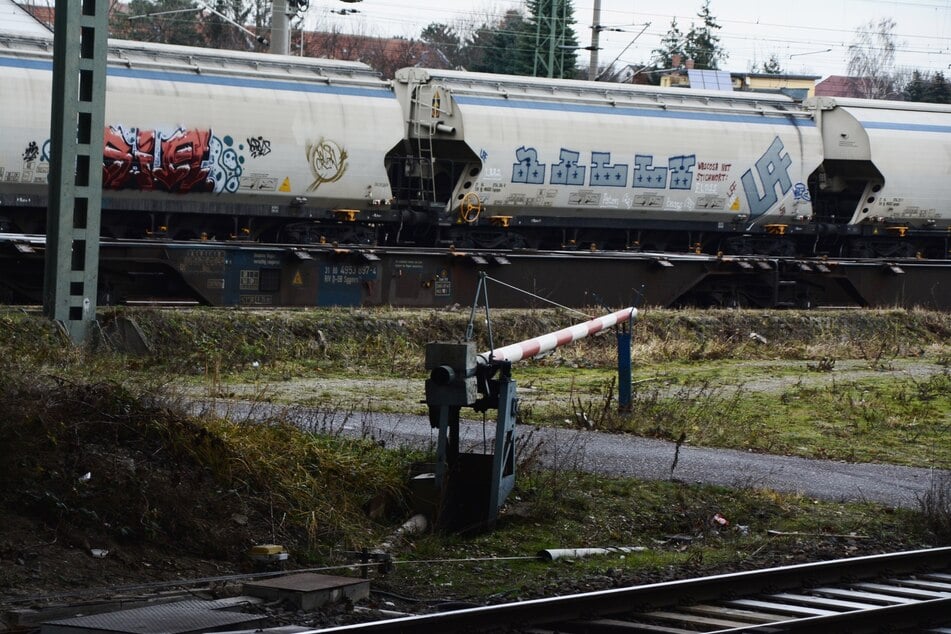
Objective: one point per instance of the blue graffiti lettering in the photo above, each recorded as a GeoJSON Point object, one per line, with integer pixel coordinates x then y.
{"type": "Point", "coordinates": [602, 173]}
{"type": "Point", "coordinates": [801, 192]}
{"type": "Point", "coordinates": [773, 170]}
{"type": "Point", "coordinates": [568, 172]}
{"type": "Point", "coordinates": [528, 169]}
{"type": "Point", "coordinates": [225, 164]}
{"type": "Point", "coordinates": [681, 176]}
{"type": "Point", "coordinates": [647, 176]}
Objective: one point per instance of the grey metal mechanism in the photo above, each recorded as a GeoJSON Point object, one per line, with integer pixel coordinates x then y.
{"type": "Point", "coordinates": [596, 29]}
{"type": "Point", "coordinates": [72, 224]}
{"type": "Point", "coordinates": [280, 25]}
{"type": "Point", "coordinates": [471, 487]}
{"type": "Point", "coordinates": [550, 40]}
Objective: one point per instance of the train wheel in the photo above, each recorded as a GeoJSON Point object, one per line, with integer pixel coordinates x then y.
{"type": "Point", "coordinates": [900, 250]}
{"type": "Point", "coordinates": [862, 249]}
{"type": "Point", "coordinates": [780, 248]}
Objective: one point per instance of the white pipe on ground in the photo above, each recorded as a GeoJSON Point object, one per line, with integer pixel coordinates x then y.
{"type": "Point", "coordinates": [551, 554]}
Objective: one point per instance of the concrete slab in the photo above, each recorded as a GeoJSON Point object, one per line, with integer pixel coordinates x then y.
{"type": "Point", "coordinates": [183, 617]}
{"type": "Point", "coordinates": [309, 591]}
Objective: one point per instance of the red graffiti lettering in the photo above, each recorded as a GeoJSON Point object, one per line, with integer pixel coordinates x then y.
{"type": "Point", "coordinates": [180, 168]}
{"type": "Point", "coordinates": [116, 160]}
{"type": "Point", "coordinates": [174, 163]}
{"type": "Point", "coordinates": [144, 157]}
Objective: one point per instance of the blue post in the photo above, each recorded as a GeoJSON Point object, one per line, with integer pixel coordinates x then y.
{"type": "Point", "coordinates": [624, 369]}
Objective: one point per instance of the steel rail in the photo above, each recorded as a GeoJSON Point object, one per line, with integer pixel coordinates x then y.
{"type": "Point", "coordinates": [447, 276]}
{"type": "Point", "coordinates": [604, 610]}
{"type": "Point", "coordinates": [39, 240]}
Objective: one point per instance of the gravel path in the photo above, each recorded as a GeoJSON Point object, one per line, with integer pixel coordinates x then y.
{"type": "Point", "coordinates": [632, 456]}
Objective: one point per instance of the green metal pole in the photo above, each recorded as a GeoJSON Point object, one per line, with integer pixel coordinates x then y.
{"type": "Point", "coordinates": [75, 179]}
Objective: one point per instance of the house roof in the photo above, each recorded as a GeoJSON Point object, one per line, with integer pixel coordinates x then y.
{"type": "Point", "coordinates": [15, 19]}
{"type": "Point", "coordinates": [778, 76]}
{"type": "Point", "coordinates": [840, 86]}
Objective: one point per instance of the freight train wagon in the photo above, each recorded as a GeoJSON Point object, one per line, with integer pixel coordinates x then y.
{"type": "Point", "coordinates": [209, 144]}
{"type": "Point", "coordinates": [204, 144]}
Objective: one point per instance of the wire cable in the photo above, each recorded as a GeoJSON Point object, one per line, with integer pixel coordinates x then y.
{"type": "Point", "coordinates": [539, 297]}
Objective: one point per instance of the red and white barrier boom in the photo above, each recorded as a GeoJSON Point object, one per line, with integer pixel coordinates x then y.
{"type": "Point", "coordinates": [545, 343]}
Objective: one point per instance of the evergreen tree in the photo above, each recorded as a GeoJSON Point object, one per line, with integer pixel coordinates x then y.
{"type": "Point", "coordinates": [916, 89]}
{"type": "Point", "coordinates": [927, 88]}
{"type": "Point", "coordinates": [444, 39]}
{"type": "Point", "coordinates": [493, 48]}
{"type": "Point", "coordinates": [672, 44]}
{"type": "Point", "coordinates": [189, 23]}
{"type": "Point", "coordinates": [938, 90]}
{"type": "Point", "coordinates": [220, 33]}
{"type": "Point", "coordinates": [772, 66]}
{"type": "Point", "coordinates": [703, 43]}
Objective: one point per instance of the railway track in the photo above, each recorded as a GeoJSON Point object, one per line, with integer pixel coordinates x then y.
{"type": "Point", "coordinates": [907, 591]}
{"type": "Point", "coordinates": [287, 275]}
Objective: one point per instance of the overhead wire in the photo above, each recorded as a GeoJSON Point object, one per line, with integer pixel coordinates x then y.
{"type": "Point", "coordinates": [536, 296]}
{"type": "Point", "coordinates": [745, 41]}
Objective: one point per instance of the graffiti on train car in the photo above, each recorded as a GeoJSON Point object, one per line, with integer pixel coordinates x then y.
{"type": "Point", "coordinates": [678, 172]}
{"type": "Point", "coordinates": [180, 160]}
{"type": "Point", "coordinates": [31, 152]}
{"type": "Point", "coordinates": [328, 162]}
{"type": "Point", "coordinates": [31, 169]}
{"type": "Point", "coordinates": [258, 146]}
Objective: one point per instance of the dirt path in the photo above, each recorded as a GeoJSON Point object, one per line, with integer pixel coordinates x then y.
{"type": "Point", "coordinates": [390, 410]}
{"type": "Point", "coordinates": [628, 456]}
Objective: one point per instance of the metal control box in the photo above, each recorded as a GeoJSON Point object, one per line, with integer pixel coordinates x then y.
{"type": "Point", "coordinates": [452, 374]}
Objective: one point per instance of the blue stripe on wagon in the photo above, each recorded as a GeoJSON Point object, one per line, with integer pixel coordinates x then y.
{"type": "Point", "coordinates": [772, 118]}
{"type": "Point", "coordinates": [905, 127]}
{"type": "Point", "coordinates": [217, 80]}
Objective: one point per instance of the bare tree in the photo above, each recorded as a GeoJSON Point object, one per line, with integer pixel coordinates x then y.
{"type": "Point", "coordinates": [387, 55]}
{"type": "Point", "coordinates": [332, 44]}
{"type": "Point", "coordinates": [872, 59]}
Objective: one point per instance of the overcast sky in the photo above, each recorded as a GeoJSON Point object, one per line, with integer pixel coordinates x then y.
{"type": "Point", "coordinates": [798, 33]}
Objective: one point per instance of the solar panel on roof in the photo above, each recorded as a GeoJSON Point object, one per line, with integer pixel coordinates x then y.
{"type": "Point", "coordinates": [13, 19]}
{"type": "Point", "coordinates": [710, 79]}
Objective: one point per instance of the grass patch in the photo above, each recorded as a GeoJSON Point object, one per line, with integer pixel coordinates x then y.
{"type": "Point", "coordinates": [675, 523]}
{"type": "Point", "coordinates": [103, 459]}
{"type": "Point", "coordinates": [209, 488]}
{"type": "Point", "coordinates": [840, 385]}
{"type": "Point", "coordinates": [900, 420]}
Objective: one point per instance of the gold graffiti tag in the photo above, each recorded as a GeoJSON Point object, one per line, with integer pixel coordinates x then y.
{"type": "Point", "coordinates": [328, 162]}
